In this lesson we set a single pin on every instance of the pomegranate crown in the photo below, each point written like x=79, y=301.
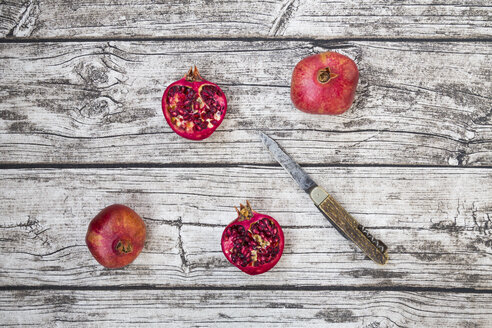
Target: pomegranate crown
x=244, y=212
x=193, y=75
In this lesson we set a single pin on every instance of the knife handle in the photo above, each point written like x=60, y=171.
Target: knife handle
x=348, y=226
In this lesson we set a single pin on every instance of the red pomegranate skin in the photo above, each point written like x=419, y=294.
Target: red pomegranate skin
x=324, y=83
x=116, y=236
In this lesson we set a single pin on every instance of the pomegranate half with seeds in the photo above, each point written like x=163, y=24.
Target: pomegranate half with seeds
x=253, y=242
x=194, y=107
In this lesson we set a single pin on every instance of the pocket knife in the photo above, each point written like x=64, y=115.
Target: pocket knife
x=346, y=225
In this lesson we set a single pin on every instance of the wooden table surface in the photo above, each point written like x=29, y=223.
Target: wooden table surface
x=81, y=128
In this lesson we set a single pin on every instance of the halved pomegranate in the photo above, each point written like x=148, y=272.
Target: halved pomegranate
x=194, y=107
x=253, y=242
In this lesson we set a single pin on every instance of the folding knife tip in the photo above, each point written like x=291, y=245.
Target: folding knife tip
x=264, y=138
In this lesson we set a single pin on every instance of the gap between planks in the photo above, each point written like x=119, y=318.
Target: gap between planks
x=17, y=166
x=242, y=39
x=399, y=288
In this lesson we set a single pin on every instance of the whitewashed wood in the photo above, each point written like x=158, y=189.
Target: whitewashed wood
x=417, y=103
x=223, y=308
x=436, y=222
x=246, y=18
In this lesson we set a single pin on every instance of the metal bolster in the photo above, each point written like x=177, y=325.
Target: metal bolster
x=318, y=195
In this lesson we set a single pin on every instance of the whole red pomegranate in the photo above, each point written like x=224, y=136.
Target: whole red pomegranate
x=253, y=242
x=324, y=83
x=194, y=107
x=116, y=236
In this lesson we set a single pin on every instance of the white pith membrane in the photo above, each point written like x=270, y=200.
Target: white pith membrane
x=262, y=243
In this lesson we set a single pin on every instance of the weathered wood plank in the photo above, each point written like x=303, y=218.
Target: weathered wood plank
x=436, y=222
x=287, y=18
x=417, y=103
x=221, y=308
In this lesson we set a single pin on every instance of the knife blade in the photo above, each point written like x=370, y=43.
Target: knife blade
x=346, y=225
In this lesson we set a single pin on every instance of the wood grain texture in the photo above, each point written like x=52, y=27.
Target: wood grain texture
x=318, y=19
x=436, y=223
x=100, y=103
x=223, y=308
x=17, y=18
